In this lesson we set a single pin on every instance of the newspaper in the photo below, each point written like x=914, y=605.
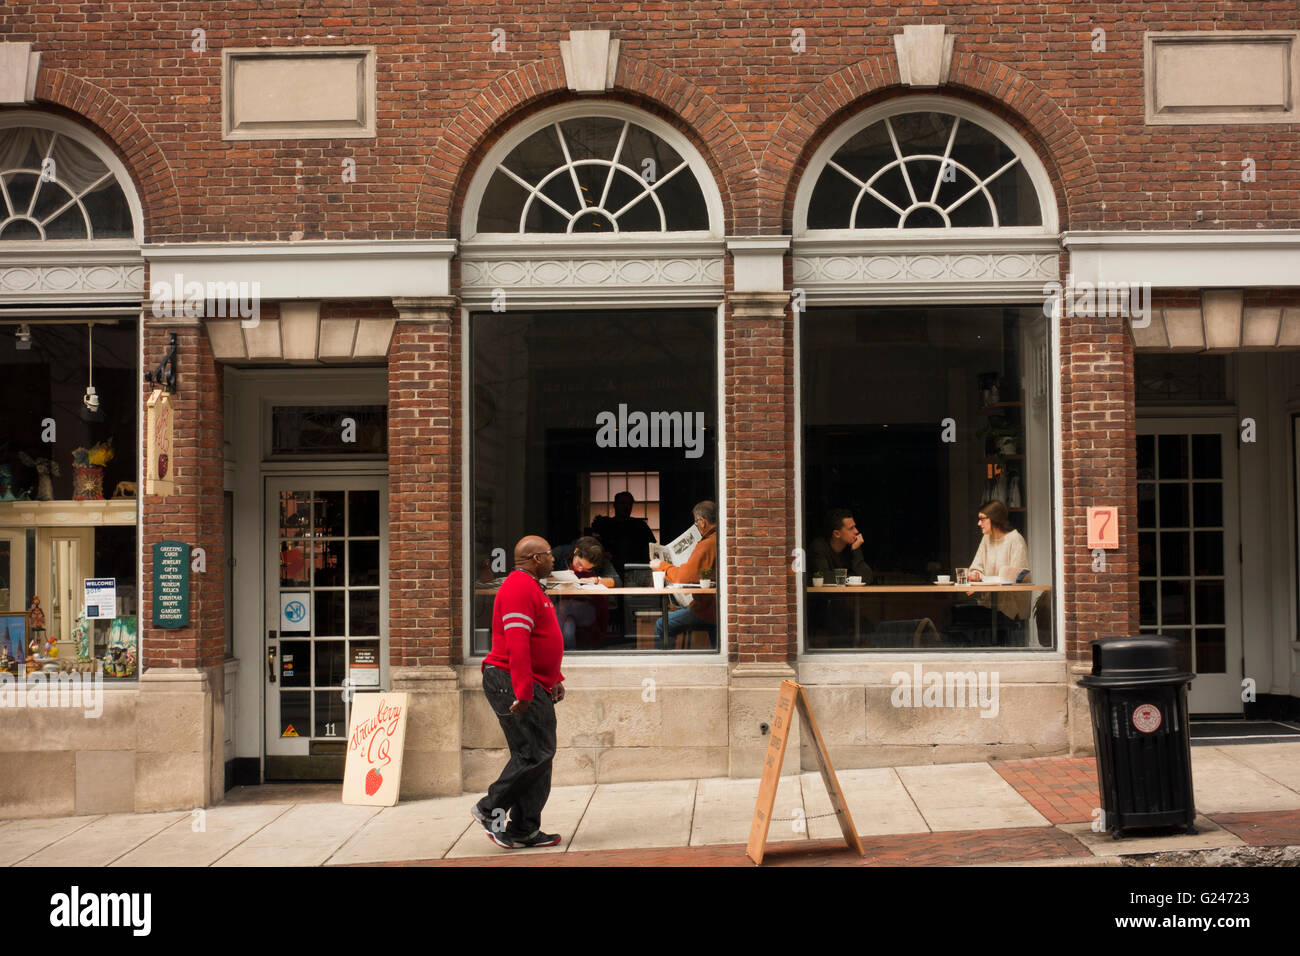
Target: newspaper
x=678, y=550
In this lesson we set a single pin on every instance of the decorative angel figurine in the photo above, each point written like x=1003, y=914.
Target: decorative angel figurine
x=35, y=616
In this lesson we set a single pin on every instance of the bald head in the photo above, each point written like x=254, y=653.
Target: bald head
x=533, y=554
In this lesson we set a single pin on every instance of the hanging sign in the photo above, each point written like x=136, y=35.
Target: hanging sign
x=372, y=775
x=171, y=584
x=159, y=459
x=295, y=612
x=100, y=597
x=1103, y=527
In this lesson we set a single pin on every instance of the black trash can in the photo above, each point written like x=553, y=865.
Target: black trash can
x=1138, y=698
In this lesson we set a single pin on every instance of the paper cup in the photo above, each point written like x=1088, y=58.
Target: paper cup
x=658, y=578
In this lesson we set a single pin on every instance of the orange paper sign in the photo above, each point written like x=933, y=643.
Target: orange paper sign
x=1103, y=527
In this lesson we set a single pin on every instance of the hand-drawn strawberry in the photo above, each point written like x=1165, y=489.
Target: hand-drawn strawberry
x=162, y=466
x=374, y=780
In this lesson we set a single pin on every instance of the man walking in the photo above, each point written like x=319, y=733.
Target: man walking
x=523, y=683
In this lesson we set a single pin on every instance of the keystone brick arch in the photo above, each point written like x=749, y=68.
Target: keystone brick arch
x=992, y=86
x=122, y=132
x=658, y=91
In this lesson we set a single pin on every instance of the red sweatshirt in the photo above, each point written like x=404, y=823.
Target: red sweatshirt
x=526, y=637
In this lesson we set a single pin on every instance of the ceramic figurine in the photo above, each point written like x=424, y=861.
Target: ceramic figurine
x=6, y=483
x=45, y=468
x=35, y=616
x=81, y=635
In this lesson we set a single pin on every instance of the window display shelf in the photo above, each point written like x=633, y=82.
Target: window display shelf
x=72, y=514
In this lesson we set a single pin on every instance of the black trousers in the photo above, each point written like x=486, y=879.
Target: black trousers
x=525, y=783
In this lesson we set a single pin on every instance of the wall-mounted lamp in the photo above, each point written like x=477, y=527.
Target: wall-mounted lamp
x=165, y=374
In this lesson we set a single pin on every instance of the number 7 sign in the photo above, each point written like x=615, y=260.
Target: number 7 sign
x=1103, y=527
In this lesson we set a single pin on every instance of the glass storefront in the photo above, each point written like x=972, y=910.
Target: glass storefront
x=597, y=430
x=927, y=464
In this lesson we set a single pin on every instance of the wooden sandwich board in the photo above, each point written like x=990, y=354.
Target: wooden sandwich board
x=372, y=773
x=791, y=698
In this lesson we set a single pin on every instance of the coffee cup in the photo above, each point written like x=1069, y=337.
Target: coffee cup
x=855, y=580
x=943, y=579
x=658, y=578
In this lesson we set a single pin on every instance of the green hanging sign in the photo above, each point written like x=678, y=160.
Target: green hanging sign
x=171, y=584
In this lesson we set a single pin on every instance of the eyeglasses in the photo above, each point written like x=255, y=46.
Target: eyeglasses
x=536, y=554
x=983, y=518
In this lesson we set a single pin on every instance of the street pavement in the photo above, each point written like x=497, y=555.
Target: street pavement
x=1038, y=812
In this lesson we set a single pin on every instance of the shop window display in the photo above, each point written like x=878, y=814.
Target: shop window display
x=67, y=499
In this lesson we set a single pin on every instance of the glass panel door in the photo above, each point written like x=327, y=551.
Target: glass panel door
x=1189, y=560
x=327, y=607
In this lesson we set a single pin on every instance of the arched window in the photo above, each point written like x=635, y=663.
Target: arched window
x=53, y=187
x=593, y=175
x=934, y=168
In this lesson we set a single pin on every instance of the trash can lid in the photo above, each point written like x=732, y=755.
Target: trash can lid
x=1135, y=660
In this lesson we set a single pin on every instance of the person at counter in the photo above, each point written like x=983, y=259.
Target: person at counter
x=703, y=612
x=1002, y=552
x=583, y=620
x=841, y=548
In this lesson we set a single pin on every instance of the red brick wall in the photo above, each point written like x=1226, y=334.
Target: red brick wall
x=759, y=374
x=424, y=493
x=194, y=513
x=729, y=74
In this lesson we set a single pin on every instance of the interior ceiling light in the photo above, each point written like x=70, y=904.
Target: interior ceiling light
x=23, y=337
x=93, y=413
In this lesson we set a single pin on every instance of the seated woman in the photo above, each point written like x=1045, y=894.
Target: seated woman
x=583, y=620
x=1002, y=551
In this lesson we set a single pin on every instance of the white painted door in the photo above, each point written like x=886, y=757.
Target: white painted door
x=326, y=605
x=1189, y=551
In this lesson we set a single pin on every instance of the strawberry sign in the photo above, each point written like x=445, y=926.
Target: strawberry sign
x=372, y=775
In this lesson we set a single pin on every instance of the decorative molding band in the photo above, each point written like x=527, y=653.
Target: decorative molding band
x=48, y=273
x=1180, y=259
x=621, y=274
x=348, y=269
x=758, y=305
x=879, y=270
x=432, y=308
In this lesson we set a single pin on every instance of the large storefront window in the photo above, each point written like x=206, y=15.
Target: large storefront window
x=585, y=424
x=70, y=591
x=919, y=424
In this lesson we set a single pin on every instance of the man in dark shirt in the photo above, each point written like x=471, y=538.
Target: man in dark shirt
x=624, y=537
x=841, y=548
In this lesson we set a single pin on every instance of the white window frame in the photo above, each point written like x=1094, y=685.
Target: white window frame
x=921, y=104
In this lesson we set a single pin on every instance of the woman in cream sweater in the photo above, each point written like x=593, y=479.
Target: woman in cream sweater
x=1001, y=549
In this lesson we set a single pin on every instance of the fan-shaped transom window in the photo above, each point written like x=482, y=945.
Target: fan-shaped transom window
x=593, y=175
x=924, y=170
x=52, y=187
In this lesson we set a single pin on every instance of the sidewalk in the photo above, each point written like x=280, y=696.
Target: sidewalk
x=1019, y=811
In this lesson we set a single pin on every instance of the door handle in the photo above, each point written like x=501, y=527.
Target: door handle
x=270, y=664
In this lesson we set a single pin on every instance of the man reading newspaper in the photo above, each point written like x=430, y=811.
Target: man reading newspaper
x=703, y=611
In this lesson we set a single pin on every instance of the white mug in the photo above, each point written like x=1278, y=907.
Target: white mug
x=855, y=580
x=943, y=579
x=658, y=578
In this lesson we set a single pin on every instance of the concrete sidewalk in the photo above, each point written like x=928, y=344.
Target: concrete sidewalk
x=1000, y=812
